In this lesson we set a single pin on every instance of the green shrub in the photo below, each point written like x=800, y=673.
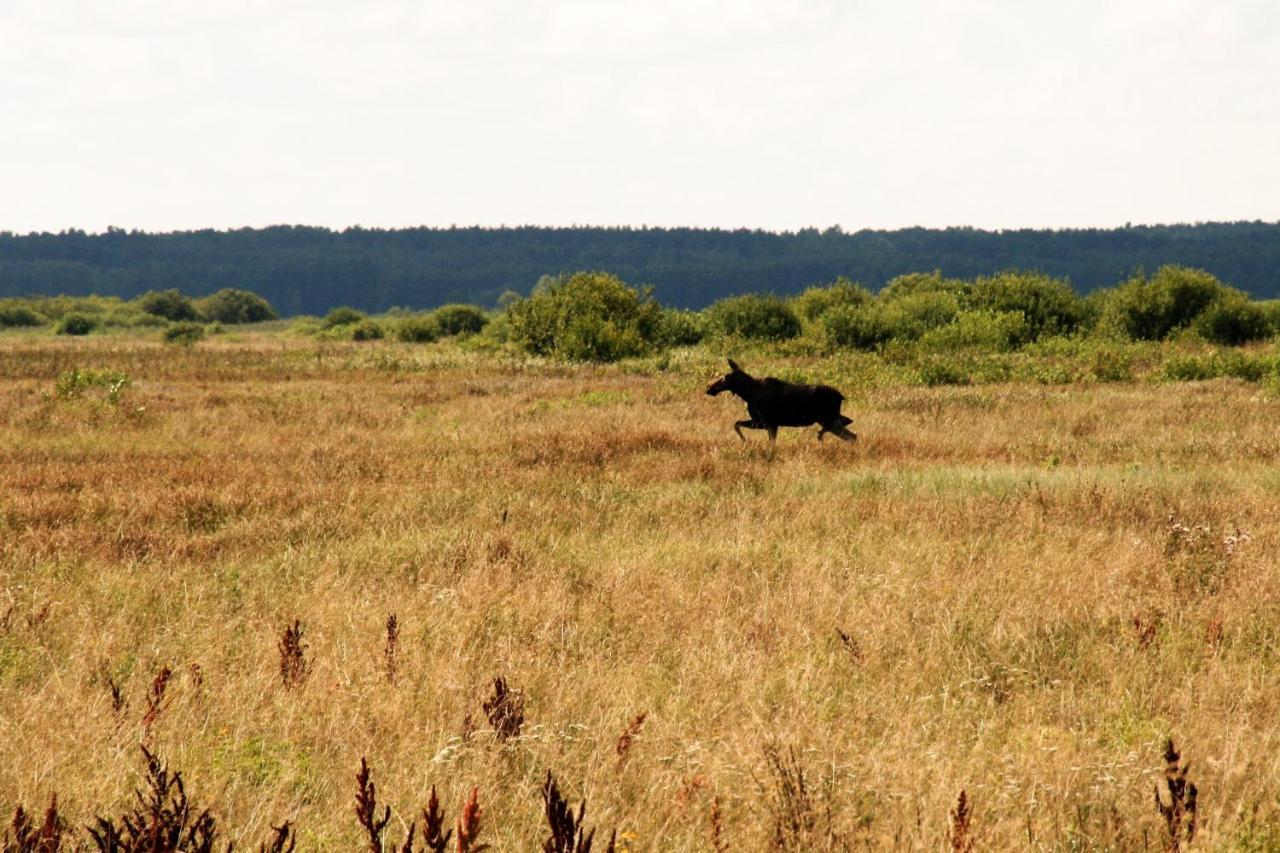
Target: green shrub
x=76, y=323
x=343, y=316
x=913, y=284
x=814, y=302
x=76, y=382
x=15, y=313
x=754, y=316
x=1111, y=364
x=367, y=330
x=1230, y=363
x=459, y=319
x=232, y=306
x=1150, y=309
x=1048, y=305
x=866, y=327
x=169, y=304
x=678, y=328
x=936, y=372
x=981, y=330
x=184, y=334
x=418, y=329
x=1233, y=321
x=588, y=316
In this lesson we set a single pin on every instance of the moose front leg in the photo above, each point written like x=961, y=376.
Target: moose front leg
x=751, y=423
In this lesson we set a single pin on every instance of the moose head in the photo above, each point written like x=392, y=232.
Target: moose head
x=731, y=381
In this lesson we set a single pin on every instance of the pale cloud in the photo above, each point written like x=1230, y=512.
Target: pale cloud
x=871, y=114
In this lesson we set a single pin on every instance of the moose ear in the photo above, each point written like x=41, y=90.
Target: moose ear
x=733, y=365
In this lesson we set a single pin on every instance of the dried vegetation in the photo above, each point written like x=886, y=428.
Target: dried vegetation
x=1015, y=591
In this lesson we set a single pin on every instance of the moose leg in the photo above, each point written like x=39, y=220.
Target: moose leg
x=773, y=434
x=749, y=424
x=844, y=434
x=837, y=429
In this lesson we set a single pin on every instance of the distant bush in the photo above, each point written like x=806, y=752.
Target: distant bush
x=589, y=316
x=343, y=316
x=1049, y=305
x=76, y=382
x=1150, y=309
x=678, y=328
x=981, y=330
x=1233, y=321
x=418, y=329
x=15, y=313
x=169, y=304
x=935, y=373
x=459, y=319
x=367, y=330
x=1231, y=363
x=76, y=324
x=865, y=327
x=232, y=306
x=184, y=334
x=913, y=284
x=814, y=302
x=754, y=316
x=1111, y=364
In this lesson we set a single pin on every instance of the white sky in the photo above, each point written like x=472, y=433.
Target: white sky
x=869, y=114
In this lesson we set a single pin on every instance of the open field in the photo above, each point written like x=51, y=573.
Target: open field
x=1018, y=590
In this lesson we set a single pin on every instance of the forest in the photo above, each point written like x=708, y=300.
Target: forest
x=310, y=270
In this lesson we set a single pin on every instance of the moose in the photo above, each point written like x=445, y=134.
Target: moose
x=774, y=403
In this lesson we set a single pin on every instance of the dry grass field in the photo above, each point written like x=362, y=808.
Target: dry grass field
x=1019, y=591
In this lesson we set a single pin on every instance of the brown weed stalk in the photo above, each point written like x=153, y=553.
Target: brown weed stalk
x=716, y=819
x=794, y=815
x=162, y=821
x=1177, y=802
x=568, y=835
x=960, y=832
x=628, y=737
x=293, y=664
x=469, y=825
x=505, y=710
x=24, y=836
x=155, y=699
x=434, y=836
x=367, y=809
x=391, y=647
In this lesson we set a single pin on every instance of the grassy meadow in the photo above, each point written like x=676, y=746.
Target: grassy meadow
x=1018, y=588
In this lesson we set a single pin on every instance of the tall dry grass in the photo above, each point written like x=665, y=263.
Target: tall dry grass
x=1014, y=591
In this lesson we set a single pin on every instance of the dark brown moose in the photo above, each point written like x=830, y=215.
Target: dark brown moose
x=773, y=403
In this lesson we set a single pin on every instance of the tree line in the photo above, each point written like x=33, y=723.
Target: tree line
x=307, y=270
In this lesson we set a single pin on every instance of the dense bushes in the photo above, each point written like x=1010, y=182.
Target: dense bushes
x=755, y=317
x=594, y=316
x=459, y=320
x=342, y=316
x=1149, y=309
x=815, y=302
x=235, y=306
x=589, y=316
x=169, y=304
x=445, y=321
x=1048, y=305
x=184, y=334
x=76, y=324
x=14, y=314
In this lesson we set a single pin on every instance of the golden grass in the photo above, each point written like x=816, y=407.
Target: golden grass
x=992, y=591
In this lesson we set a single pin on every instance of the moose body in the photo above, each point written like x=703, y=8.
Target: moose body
x=774, y=403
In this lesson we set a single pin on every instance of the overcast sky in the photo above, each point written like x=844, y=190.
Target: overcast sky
x=867, y=114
